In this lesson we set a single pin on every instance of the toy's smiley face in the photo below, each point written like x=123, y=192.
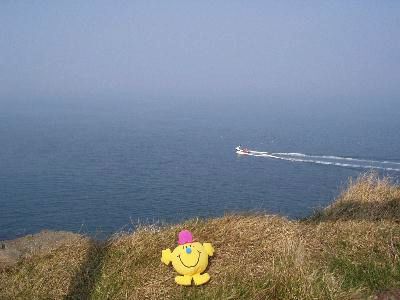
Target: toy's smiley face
x=190, y=258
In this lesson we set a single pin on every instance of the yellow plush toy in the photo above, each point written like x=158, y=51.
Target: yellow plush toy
x=189, y=259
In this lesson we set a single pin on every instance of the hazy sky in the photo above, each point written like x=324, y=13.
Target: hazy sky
x=320, y=48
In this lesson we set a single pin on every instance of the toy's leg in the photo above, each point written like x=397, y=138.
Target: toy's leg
x=201, y=279
x=183, y=280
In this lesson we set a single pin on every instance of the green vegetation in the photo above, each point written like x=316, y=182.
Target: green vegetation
x=349, y=250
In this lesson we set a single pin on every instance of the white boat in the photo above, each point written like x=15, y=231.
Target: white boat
x=242, y=151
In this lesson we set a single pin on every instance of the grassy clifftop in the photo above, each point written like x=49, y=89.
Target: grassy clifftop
x=349, y=250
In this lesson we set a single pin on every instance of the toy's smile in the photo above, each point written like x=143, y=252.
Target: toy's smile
x=198, y=258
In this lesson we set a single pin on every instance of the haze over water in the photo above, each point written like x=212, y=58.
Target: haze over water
x=115, y=113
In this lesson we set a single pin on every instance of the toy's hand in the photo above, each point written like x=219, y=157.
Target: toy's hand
x=166, y=256
x=209, y=249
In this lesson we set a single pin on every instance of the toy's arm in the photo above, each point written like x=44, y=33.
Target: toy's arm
x=209, y=249
x=166, y=256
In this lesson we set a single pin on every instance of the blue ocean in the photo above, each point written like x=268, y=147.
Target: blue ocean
x=99, y=166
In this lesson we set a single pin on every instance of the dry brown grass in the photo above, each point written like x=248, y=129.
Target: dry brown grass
x=337, y=254
x=367, y=198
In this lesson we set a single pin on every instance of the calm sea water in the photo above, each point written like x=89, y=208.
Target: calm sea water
x=102, y=166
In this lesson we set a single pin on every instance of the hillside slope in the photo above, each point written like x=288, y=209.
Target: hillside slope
x=349, y=250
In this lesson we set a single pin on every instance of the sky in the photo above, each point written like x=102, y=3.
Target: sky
x=208, y=48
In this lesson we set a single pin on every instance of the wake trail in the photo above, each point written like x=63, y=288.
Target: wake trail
x=338, y=161
x=338, y=158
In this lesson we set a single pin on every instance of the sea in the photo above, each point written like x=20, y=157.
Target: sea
x=103, y=165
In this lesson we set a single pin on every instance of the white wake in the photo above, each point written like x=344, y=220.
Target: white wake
x=339, y=161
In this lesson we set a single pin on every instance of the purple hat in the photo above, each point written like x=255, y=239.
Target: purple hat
x=185, y=236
